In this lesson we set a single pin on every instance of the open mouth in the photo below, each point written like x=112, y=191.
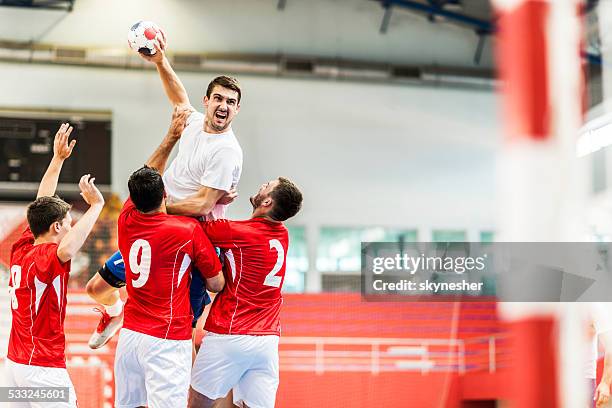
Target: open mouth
x=221, y=115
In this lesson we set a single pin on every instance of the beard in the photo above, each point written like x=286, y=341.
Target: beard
x=219, y=128
x=256, y=200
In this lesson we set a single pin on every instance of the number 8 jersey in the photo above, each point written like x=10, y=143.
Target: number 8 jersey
x=38, y=301
x=255, y=253
x=158, y=250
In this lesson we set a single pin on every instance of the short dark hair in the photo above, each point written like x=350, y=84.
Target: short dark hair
x=225, y=82
x=44, y=211
x=287, y=199
x=146, y=189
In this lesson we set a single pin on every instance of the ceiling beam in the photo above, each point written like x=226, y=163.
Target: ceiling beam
x=482, y=27
x=432, y=9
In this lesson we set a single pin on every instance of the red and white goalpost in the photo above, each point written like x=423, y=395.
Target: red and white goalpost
x=541, y=185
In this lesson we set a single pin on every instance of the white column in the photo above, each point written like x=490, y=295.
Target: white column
x=313, y=276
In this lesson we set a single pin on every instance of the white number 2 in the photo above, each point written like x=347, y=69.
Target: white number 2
x=143, y=268
x=16, y=279
x=271, y=278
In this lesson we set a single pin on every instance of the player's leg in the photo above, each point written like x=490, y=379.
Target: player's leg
x=194, y=352
x=167, y=366
x=219, y=365
x=197, y=399
x=103, y=287
x=130, y=389
x=200, y=401
x=258, y=385
x=101, y=291
x=198, y=295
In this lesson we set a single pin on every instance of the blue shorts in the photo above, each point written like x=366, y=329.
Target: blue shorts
x=113, y=272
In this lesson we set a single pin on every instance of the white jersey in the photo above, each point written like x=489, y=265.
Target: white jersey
x=203, y=160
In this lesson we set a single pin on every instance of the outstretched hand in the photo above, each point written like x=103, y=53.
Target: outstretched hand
x=89, y=191
x=228, y=197
x=61, y=148
x=160, y=48
x=179, y=121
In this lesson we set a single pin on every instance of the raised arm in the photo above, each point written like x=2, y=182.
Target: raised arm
x=61, y=151
x=75, y=238
x=159, y=158
x=172, y=84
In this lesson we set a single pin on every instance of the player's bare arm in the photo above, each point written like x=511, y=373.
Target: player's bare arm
x=75, y=238
x=61, y=151
x=159, y=158
x=216, y=284
x=602, y=393
x=206, y=262
x=176, y=92
x=199, y=204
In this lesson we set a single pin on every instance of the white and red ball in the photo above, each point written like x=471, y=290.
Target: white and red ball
x=141, y=37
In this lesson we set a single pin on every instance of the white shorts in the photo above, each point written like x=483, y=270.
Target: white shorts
x=22, y=375
x=150, y=371
x=248, y=364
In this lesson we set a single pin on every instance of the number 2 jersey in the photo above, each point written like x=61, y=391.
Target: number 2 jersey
x=38, y=302
x=255, y=253
x=159, y=251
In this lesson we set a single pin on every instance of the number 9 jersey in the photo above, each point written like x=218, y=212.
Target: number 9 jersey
x=158, y=251
x=255, y=253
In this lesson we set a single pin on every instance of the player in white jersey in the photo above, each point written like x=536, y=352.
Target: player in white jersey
x=199, y=182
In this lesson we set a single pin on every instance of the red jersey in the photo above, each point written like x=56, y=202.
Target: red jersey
x=158, y=251
x=255, y=253
x=37, y=286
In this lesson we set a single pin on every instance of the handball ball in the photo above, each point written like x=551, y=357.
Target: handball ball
x=141, y=37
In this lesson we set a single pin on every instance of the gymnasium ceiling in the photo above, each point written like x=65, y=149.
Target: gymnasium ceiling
x=411, y=32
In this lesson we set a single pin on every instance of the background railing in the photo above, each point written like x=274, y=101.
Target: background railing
x=317, y=355
x=375, y=355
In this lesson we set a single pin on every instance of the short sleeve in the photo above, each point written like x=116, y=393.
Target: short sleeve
x=26, y=238
x=195, y=118
x=220, y=233
x=205, y=256
x=221, y=169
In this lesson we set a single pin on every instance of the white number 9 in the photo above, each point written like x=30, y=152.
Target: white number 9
x=143, y=268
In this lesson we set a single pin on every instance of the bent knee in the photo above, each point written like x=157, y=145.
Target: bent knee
x=98, y=287
x=91, y=286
